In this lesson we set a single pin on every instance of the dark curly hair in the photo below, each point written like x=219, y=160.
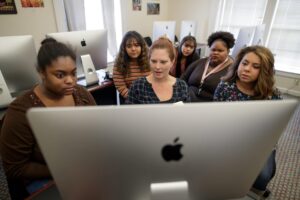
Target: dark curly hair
x=226, y=37
x=122, y=60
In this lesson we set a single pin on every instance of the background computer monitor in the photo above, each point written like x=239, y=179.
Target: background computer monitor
x=187, y=28
x=258, y=38
x=92, y=42
x=243, y=39
x=164, y=28
x=17, y=63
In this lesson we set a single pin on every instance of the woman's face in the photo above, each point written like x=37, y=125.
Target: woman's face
x=60, y=77
x=218, y=52
x=187, y=48
x=249, y=68
x=160, y=63
x=133, y=48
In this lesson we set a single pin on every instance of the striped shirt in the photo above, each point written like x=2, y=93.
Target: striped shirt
x=123, y=81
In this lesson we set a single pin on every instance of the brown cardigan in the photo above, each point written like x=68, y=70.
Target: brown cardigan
x=20, y=153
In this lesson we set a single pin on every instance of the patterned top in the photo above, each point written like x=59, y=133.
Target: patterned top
x=229, y=92
x=123, y=82
x=141, y=92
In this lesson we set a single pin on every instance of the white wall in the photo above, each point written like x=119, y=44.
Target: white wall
x=139, y=20
x=29, y=21
x=201, y=11
x=39, y=21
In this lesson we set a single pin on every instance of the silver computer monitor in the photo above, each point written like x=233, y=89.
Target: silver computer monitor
x=18, y=63
x=243, y=39
x=92, y=43
x=5, y=96
x=187, y=28
x=153, y=152
x=164, y=28
x=258, y=38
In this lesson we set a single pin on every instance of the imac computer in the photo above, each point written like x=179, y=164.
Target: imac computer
x=258, y=38
x=187, y=28
x=243, y=39
x=135, y=152
x=5, y=96
x=164, y=28
x=17, y=65
x=91, y=51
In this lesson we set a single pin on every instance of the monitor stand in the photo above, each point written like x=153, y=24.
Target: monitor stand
x=5, y=97
x=89, y=70
x=170, y=190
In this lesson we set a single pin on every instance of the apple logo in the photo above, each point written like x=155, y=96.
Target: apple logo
x=172, y=152
x=83, y=43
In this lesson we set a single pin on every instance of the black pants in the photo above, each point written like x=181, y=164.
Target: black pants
x=17, y=189
x=267, y=173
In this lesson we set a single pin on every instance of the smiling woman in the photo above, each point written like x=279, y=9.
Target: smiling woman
x=22, y=159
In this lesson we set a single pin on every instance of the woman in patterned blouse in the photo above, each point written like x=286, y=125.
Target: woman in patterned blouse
x=131, y=62
x=159, y=86
x=251, y=77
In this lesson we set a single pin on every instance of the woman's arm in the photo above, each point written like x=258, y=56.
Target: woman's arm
x=20, y=153
x=133, y=93
x=184, y=91
x=190, y=69
x=219, y=92
x=119, y=82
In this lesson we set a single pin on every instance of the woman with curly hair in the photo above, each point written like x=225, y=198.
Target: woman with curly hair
x=186, y=54
x=251, y=77
x=131, y=62
x=203, y=75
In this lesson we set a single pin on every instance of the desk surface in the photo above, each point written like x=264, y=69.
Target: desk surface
x=102, y=84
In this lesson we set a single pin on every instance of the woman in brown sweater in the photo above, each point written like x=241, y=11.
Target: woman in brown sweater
x=22, y=159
